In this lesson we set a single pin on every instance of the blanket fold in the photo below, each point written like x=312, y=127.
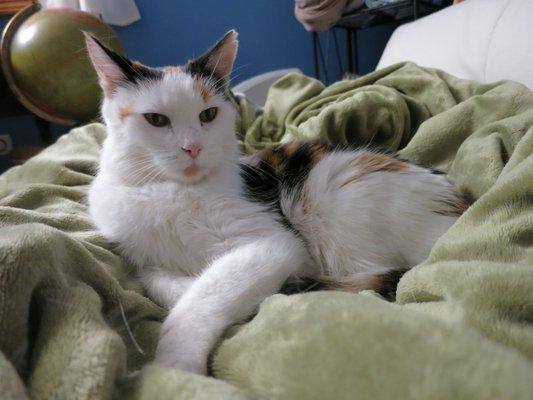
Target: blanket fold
x=75, y=324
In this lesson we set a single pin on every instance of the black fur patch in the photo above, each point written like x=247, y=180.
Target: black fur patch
x=302, y=285
x=262, y=186
x=297, y=167
x=389, y=283
x=133, y=72
x=281, y=169
x=199, y=67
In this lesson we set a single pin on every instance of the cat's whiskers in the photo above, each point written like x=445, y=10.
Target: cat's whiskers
x=137, y=168
x=231, y=78
x=215, y=68
x=235, y=70
x=240, y=67
x=228, y=81
x=139, y=163
x=141, y=175
x=145, y=165
x=159, y=171
x=148, y=178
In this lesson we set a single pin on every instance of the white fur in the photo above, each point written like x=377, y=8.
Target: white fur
x=212, y=256
x=196, y=235
x=384, y=220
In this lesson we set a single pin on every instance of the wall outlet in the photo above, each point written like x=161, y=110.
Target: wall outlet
x=6, y=144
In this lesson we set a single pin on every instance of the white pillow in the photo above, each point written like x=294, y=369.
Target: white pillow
x=484, y=40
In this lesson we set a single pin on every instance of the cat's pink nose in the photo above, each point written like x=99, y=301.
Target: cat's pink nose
x=193, y=149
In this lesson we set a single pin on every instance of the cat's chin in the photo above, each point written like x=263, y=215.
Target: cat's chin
x=188, y=175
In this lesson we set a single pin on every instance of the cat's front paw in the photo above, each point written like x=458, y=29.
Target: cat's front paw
x=181, y=348
x=168, y=357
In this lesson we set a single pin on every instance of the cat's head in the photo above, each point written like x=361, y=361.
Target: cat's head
x=176, y=122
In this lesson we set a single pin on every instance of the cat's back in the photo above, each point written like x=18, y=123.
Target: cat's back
x=358, y=209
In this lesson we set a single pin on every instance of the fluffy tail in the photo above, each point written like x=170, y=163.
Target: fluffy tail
x=384, y=283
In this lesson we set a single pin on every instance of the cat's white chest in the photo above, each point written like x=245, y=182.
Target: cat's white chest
x=175, y=228
x=180, y=230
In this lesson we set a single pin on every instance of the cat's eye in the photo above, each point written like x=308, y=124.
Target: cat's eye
x=208, y=114
x=158, y=120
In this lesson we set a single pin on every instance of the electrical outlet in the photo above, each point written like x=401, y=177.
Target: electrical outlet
x=6, y=144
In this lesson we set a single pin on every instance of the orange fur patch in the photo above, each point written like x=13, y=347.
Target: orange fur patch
x=460, y=205
x=278, y=156
x=138, y=64
x=318, y=152
x=378, y=162
x=290, y=148
x=383, y=283
x=171, y=69
x=368, y=163
x=454, y=208
x=200, y=86
x=269, y=157
x=190, y=171
x=124, y=112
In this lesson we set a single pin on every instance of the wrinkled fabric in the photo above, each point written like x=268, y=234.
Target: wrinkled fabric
x=319, y=15
x=76, y=324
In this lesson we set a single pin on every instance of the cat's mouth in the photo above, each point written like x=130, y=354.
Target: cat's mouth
x=192, y=170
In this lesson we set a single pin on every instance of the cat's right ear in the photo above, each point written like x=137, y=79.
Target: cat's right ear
x=107, y=64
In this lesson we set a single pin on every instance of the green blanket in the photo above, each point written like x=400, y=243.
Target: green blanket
x=74, y=323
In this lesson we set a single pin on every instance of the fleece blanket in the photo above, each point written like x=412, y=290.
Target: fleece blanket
x=74, y=323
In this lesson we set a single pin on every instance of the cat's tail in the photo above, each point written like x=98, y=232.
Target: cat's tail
x=384, y=283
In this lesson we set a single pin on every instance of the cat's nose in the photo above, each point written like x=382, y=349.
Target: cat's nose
x=192, y=149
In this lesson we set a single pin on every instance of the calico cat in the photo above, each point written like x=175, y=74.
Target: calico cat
x=212, y=236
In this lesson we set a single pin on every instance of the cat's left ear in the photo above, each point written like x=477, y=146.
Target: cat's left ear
x=114, y=70
x=217, y=62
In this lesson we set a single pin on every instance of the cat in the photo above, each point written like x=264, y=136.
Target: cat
x=213, y=236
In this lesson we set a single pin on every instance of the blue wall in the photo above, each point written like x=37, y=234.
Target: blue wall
x=170, y=32
x=269, y=34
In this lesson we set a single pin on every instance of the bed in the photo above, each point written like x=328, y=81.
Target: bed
x=75, y=323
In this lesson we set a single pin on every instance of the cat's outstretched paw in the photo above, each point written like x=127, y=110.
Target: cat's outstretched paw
x=182, y=363
x=180, y=348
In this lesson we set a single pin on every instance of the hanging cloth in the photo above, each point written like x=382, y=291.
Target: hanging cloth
x=116, y=12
